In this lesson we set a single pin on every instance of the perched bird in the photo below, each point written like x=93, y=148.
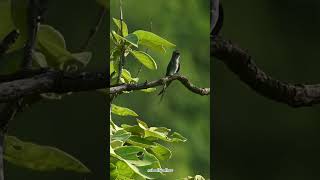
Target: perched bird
x=172, y=68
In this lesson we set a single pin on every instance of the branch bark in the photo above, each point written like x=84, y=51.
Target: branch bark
x=185, y=81
x=9, y=109
x=51, y=81
x=242, y=64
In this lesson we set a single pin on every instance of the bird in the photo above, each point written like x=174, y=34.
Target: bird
x=172, y=68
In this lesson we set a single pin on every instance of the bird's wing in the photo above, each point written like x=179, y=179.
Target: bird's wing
x=169, y=68
x=178, y=68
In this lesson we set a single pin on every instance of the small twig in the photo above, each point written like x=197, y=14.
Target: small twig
x=122, y=57
x=132, y=87
x=33, y=26
x=94, y=30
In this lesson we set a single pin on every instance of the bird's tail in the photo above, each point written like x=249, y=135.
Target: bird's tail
x=162, y=92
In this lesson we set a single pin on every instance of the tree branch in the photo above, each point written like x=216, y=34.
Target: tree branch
x=33, y=26
x=52, y=81
x=241, y=63
x=131, y=87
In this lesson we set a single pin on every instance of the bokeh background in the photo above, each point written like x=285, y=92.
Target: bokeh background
x=77, y=123
x=256, y=138
x=186, y=24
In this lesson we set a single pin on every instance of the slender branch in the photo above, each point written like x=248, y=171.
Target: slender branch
x=52, y=81
x=122, y=56
x=94, y=30
x=131, y=87
x=242, y=64
x=33, y=26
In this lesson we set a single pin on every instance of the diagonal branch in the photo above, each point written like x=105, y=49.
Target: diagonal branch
x=185, y=81
x=241, y=63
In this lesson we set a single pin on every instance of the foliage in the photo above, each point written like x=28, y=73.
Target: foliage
x=135, y=149
x=50, y=52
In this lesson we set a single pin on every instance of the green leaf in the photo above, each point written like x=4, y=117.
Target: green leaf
x=132, y=39
x=78, y=61
x=139, y=141
x=127, y=76
x=52, y=44
x=136, y=130
x=51, y=96
x=40, y=59
x=176, y=137
x=198, y=177
x=121, y=135
x=122, y=111
x=148, y=90
x=112, y=67
x=116, y=143
x=121, y=171
x=153, y=41
x=138, y=159
x=124, y=26
x=142, y=124
x=41, y=158
x=48, y=33
x=144, y=59
x=161, y=152
x=83, y=57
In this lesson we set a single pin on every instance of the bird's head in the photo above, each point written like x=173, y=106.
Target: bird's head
x=176, y=52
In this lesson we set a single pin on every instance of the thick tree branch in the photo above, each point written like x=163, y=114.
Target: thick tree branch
x=52, y=81
x=241, y=63
x=131, y=87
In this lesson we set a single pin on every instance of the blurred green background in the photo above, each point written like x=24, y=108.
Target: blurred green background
x=186, y=24
x=77, y=123
x=256, y=138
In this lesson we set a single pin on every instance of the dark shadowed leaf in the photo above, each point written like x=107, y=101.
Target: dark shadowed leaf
x=40, y=158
